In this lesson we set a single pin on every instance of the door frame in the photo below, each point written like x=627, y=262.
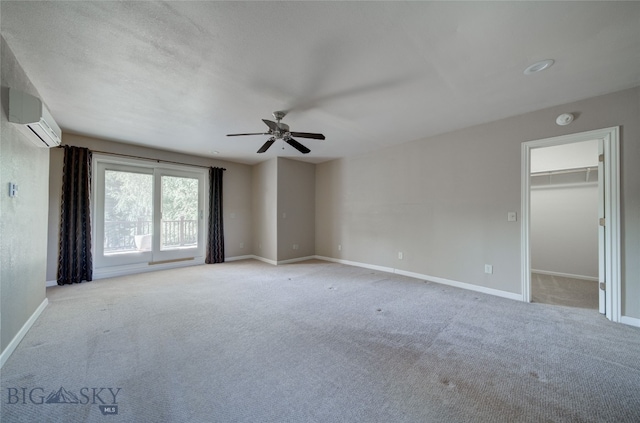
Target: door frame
x=611, y=143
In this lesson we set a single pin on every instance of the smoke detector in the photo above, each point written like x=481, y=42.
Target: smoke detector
x=564, y=119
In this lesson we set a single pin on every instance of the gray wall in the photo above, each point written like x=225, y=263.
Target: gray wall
x=236, y=192
x=23, y=219
x=296, y=209
x=564, y=230
x=283, y=209
x=443, y=200
x=265, y=209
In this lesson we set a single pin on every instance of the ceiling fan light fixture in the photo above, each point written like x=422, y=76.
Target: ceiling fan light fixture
x=539, y=66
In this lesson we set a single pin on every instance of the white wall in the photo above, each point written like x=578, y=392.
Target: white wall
x=564, y=230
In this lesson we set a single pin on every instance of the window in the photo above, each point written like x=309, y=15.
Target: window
x=179, y=212
x=128, y=207
x=146, y=213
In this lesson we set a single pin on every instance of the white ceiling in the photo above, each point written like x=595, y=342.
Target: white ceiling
x=181, y=75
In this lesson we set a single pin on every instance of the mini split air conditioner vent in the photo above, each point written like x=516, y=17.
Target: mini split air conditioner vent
x=34, y=119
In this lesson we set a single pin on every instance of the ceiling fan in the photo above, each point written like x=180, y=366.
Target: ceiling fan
x=280, y=131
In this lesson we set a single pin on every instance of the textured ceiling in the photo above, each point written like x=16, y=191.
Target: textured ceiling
x=181, y=75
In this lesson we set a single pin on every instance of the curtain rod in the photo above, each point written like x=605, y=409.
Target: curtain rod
x=146, y=158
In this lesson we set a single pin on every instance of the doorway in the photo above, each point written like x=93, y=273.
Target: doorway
x=564, y=224
x=608, y=215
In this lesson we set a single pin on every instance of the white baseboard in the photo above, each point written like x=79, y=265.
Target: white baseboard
x=236, y=258
x=22, y=332
x=449, y=282
x=463, y=285
x=565, y=275
x=52, y=283
x=276, y=263
x=296, y=260
x=357, y=264
x=265, y=260
x=631, y=321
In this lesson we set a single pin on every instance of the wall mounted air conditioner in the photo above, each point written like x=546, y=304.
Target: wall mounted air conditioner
x=35, y=120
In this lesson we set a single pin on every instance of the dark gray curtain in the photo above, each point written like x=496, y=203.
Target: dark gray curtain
x=215, y=239
x=75, y=263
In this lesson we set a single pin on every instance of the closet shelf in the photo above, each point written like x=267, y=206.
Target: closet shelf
x=575, y=176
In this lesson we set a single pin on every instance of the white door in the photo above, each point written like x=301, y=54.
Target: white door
x=601, y=231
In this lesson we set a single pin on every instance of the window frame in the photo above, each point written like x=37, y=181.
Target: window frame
x=137, y=261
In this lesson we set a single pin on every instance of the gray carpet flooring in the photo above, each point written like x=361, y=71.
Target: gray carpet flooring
x=314, y=342
x=559, y=290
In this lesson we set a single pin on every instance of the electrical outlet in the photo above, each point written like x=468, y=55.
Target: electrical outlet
x=339, y=247
x=488, y=269
x=512, y=216
x=13, y=189
x=242, y=245
x=400, y=255
x=296, y=246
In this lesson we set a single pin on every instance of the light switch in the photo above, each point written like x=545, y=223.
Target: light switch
x=13, y=189
x=512, y=216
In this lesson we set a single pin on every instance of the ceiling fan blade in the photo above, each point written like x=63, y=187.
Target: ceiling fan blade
x=271, y=124
x=266, y=145
x=253, y=133
x=308, y=135
x=295, y=144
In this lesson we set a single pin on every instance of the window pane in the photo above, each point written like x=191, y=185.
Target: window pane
x=179, y=212
x=128, y=212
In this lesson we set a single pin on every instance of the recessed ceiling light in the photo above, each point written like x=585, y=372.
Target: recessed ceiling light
x=538, y=67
